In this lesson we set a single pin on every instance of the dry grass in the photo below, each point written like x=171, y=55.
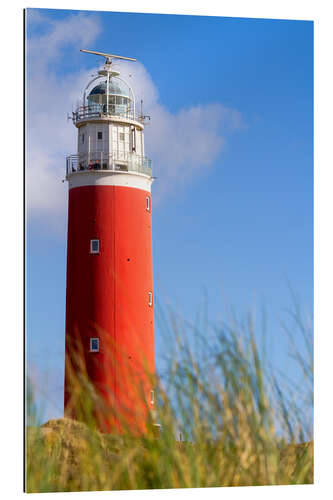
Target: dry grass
x=239, y=426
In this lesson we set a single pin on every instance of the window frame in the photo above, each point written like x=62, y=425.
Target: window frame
x=133, y=132
x=99, y=133
x=152, y=396
x=92, y=251
x=150, y=298
x=90, y=344
x=148, y=203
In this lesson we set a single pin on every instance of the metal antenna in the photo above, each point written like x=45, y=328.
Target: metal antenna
x=108, y=57
x=142, y=115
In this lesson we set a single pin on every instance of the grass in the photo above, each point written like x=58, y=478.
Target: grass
x=240, y=423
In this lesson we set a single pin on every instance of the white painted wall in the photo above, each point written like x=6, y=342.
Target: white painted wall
x=102, y=178
x=117, y=138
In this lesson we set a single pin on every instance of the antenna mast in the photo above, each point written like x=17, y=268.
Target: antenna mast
x=108, y=57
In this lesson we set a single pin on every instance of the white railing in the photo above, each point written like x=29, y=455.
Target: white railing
x=101, y=111
x=118, y=162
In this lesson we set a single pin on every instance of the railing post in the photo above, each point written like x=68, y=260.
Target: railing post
x=107, y=92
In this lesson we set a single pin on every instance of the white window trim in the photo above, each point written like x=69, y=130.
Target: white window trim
x=91, y=341
x=91, y=246
x=150, y=298
x=152, y=396
x=148, y=204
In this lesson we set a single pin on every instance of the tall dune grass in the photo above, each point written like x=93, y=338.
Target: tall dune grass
x=227, y=419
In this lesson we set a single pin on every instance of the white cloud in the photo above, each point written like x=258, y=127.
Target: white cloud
x=74, y=31
x=49, y=99
x=182, y=145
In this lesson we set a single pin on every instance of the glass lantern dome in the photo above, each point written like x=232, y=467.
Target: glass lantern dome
x=119, y=97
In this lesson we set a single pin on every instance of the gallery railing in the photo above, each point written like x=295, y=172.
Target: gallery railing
x=118, y=162
x=102, y=111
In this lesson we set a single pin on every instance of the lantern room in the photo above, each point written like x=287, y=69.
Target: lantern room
x=116, y=99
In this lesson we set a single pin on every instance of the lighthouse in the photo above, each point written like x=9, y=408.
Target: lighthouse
x=109, y=282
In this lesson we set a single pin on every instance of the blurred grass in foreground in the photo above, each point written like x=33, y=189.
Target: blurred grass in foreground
x=226, y=421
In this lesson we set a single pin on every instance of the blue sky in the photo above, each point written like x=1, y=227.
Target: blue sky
x=233, y=198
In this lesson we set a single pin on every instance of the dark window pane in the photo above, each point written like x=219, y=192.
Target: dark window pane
x=94, y=344
x=94, y=246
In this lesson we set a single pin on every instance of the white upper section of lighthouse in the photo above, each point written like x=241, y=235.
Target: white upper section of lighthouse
x=110, y=132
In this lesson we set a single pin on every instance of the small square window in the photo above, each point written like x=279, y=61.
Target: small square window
x=94, y=345
x=94, y=246
x=99, y=136
x=148, y=204
x=121, y=136
x=150, y=298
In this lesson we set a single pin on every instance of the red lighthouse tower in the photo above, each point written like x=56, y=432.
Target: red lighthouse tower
x=109, y=295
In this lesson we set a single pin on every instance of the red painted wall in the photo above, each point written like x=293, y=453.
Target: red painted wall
x=107, y=297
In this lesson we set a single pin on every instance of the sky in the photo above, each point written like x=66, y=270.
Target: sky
x=231, y=139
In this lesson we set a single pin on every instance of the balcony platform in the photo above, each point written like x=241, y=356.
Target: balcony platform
x=100, y=162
